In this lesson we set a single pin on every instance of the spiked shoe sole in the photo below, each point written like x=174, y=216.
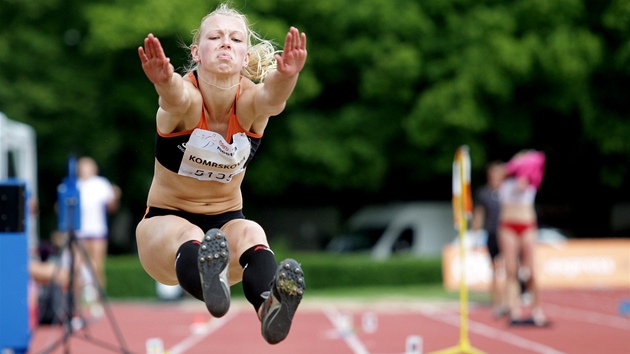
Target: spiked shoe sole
x=214, y=256
x=287, y=290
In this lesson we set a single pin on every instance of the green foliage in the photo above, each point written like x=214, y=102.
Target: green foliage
x=127, y=279
x=122, y=25
x=344, y=271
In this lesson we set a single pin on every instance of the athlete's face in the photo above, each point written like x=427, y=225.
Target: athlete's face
x=223, y=45
x=496, y=175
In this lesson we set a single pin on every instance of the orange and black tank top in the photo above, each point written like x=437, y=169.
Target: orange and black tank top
x=170, y=148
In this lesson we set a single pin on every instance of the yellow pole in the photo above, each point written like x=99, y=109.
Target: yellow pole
x=461, y=193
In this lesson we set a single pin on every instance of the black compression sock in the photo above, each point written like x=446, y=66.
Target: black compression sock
x=259, y=268
x=187, y=270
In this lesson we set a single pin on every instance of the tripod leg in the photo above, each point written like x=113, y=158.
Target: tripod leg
x=71, y=312
x=100, y=291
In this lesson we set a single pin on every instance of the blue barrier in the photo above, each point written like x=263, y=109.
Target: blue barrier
x=15, y=333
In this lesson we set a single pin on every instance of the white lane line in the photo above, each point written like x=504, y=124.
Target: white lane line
x=202, y=331
x=345, y=329
x=592, y=317
x=453, y=319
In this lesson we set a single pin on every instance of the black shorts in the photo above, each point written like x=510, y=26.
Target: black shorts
x=205, y=222
x=493, y=245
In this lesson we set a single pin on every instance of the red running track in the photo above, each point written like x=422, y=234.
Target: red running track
x=582, y=322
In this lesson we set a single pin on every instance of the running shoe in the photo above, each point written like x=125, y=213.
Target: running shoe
x=538, y=317
x=281, y=301
x=214, y=257
x=500, y=311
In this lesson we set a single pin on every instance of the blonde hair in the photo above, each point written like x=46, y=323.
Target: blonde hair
x=261, y=51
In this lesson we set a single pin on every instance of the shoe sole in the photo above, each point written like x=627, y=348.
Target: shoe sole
x=214, y=257
x=288, y=287
x=530, y=322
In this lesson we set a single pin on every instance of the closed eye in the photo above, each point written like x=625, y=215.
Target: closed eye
x=233, y=39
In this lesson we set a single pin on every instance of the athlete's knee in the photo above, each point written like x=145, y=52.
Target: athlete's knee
x=188, y=234
x=248, y=233
x=511, y=269
x=252, y=230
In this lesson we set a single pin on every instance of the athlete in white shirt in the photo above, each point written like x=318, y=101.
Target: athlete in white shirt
x=98, y=198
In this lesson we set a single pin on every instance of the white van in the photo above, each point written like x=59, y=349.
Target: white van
x=417, y=228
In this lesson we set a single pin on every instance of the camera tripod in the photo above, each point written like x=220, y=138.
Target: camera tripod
x=69, y=220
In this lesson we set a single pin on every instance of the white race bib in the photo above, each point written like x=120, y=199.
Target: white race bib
x=208, y=157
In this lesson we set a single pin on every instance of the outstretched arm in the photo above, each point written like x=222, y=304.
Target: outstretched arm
x=279, y=84
x=159, y=70
x=293, y=57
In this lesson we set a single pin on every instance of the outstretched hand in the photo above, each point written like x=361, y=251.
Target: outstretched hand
x=293, y=55
x=156, y=65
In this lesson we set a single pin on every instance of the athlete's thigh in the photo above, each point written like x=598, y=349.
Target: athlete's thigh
x=527, y=247
x=96, y=248
x=242, y=234
x=158, y=240
x=509, y=248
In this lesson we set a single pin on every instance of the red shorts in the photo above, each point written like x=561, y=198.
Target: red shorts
x=518, y=227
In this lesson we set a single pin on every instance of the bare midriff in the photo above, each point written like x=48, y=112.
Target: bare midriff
x=172, y=191
x=517, y=213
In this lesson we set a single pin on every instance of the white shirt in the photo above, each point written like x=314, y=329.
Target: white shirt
x=509, y=193
x=95, y=193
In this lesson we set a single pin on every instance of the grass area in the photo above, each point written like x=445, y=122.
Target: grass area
x=327, y=275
